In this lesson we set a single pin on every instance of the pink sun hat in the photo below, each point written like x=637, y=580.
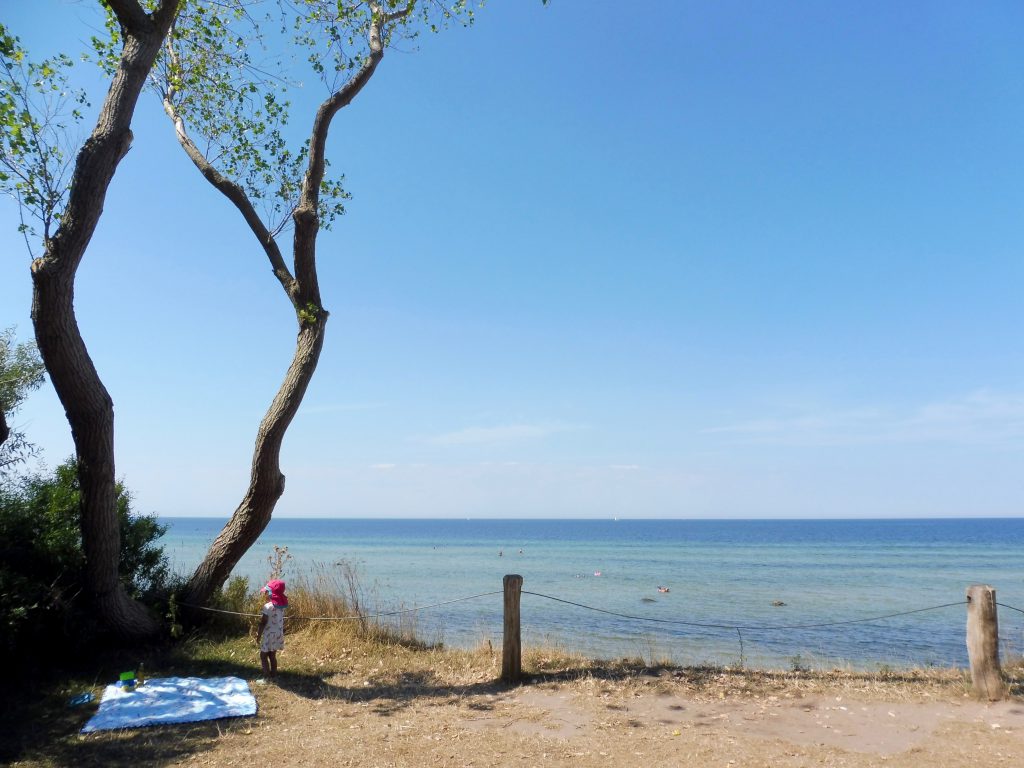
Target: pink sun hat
x=275, y=588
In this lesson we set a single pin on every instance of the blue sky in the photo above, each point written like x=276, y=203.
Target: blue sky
x=730, y=259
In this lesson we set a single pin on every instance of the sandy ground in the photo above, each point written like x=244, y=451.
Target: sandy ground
x=391, y=707
x=645, y=721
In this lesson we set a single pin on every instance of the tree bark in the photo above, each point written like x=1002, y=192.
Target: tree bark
x=266, y=483
x=86, y=402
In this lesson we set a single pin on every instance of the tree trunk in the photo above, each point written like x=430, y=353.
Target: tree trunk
x=5, y=431
x=266, y=482
x=88, y=406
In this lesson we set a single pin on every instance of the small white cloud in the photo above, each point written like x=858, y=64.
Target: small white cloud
x=383, y=467
x=980, y=417
x=624, y=467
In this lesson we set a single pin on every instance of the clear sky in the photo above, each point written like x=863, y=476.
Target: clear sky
x=668, y=259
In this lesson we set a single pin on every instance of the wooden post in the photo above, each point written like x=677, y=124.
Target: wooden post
x=983, y=642
x=512, y=651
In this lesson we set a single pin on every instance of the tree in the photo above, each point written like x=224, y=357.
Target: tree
x=211, y=89
x=69, y=214
x=42, y=564
x=21, y=371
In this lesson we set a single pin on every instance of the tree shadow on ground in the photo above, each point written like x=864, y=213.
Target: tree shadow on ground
x=43, y=728
x=388, y=697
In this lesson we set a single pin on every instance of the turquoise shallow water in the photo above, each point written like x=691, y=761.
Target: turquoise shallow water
x=719, y=573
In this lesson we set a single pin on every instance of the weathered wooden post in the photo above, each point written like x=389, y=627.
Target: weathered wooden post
x=983, y=642
x=512, y=651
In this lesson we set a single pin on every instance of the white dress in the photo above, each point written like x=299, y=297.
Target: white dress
x=273, y=633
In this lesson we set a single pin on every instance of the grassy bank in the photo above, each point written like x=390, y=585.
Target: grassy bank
x=353, y=666
x=365, y=675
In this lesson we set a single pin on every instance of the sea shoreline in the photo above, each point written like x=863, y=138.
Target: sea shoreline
x=770, y=579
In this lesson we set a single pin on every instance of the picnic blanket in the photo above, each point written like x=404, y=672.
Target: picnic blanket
x=165, y=700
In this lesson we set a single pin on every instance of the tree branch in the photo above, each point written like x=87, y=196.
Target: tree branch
x=305, y=214
x=131, y=15
x=166, y=12
x=397, y=15
x=238, y=198
x=110, y=140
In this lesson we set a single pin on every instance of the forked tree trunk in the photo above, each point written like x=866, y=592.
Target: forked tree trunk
x=88, y=406
x=266, y=483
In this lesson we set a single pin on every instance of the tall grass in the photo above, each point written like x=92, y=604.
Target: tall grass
x=327, y=603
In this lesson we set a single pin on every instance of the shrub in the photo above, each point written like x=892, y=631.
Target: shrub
x=235, y=597
x=42, y=563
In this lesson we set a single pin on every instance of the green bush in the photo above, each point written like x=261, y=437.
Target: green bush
x=42, y=564
x=237, y=597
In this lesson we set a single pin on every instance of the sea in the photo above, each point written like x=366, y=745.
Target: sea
x=772, y=594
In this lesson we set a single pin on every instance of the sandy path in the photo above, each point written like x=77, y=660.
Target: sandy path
x=592, y=724
x=838, y=724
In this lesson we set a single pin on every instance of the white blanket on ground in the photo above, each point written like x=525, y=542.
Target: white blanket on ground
x=172, y=700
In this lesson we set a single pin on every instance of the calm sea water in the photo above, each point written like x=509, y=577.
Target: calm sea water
x=718, y=572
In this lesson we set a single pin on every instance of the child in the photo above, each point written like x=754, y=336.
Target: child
x=270, y=633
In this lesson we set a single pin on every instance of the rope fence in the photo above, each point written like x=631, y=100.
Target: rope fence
x=651, y=619
x=359, y=617
x=751, y=627
x=982, y=626
x=1012, y=608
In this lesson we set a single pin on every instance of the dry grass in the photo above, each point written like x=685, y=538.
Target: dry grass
x=323, y=600
x=362, y=692
x=384, y=656
x=366, y=688
x=336, y=591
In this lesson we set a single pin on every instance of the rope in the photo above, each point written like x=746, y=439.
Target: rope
x=220, y=610
x=679, y=622
x=1012, y=608
x=361, y=617
x=755, y=628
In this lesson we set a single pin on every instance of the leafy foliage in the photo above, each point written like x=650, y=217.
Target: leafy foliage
x=335, y=33
x=37, y=107
x=42, y=563
x=219, y=77
x=21, y=371
x=224, y=73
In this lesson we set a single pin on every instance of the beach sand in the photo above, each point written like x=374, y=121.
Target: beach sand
x=366, y=716
x=655, y=722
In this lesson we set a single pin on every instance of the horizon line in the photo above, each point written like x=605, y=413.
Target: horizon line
x=618, y=519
